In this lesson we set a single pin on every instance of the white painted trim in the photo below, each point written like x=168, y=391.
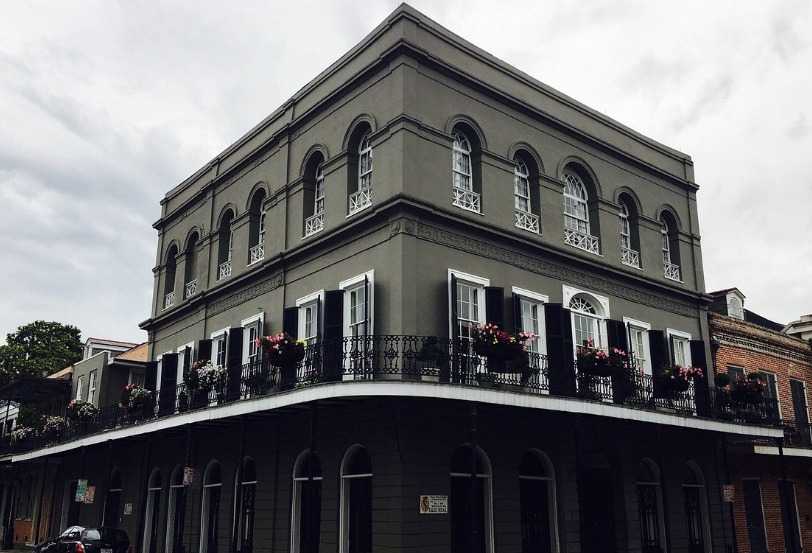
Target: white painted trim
x=218, y=333
x=634, y=322
x=788, y=451
x=258, y=318
x=685, y=336
x=350, y=284
x=390, y=388
x=252, y=319
x=357, y=279
x=530, y=295
x=310, y=298
x=473, y=279
x=568, y=292
x=678, y=333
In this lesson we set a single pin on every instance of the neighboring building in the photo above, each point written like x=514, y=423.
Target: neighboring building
x=802, y=328
x=99, y=379
x=746, y=344
x=94, y=346
x=415, y=190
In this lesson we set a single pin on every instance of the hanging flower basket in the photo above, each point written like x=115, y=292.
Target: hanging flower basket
x=505, y=352
x=81, y=411
x=282, y=350
x=676, y=380
x=52, y=427
x=748, y=390
x=137, y=400
x=21, y=434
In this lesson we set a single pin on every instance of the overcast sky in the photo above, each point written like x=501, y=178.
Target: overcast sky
x=104, y=106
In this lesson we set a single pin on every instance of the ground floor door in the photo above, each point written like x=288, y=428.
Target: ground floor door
x=596, y=501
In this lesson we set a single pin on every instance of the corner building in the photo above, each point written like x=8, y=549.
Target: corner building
x=415, y=189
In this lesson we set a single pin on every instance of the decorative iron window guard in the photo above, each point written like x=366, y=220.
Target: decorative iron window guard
x=224, y=270
x=191, y=288
x=314, y=224
x=466, y=199
x=169, y=299
x=256, y=253
x=672, y=271
x=582, y=241
x=630, y=257
x=526, y=221
x=360, y=200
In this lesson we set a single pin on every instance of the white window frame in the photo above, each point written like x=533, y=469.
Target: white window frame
x=777, y=393
x=574, y=202
x=79, y=384
x=541, y=300
x=682, y=336
x=365, y=153
x=473, y=280
x=523, y=177
x=568, y=292
x=344, y=498
x=91, y=386
x=305, y=302
x=348, y=286
x=215, y=338
x=246, y=335
x=159, y=374
x=459, y=152
x=318, y=190
x=154, y=494
x=645, y=327
x=181, y=351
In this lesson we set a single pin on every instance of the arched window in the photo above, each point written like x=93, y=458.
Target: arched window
x=670, y=247
x=466, y=189
x=176, y=512
x=210, y=507
x=588, y=324
x=356, y=501
x=256, y=228
x=313, y=196
x=696, y=508
x=169, y=281
x=537, y=501
x=629, y=234
x=153, y=521
x=225, y=245
x=306, y=508
x=526, y=201
x=580, y=224
x=650, y=508
x=190, y=278
x=246, y=495
x=470, y=501
x=112, y=503
x=359, y=172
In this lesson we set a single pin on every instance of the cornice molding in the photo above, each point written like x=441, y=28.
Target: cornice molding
x=246, y=294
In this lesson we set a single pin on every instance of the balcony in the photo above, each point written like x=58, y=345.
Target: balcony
x=630, y=257
x=582, y=241
x=672, y=272
x=314, y=224
x=190, y=289
x=256, y=254
x=224, y=270
x=466, y=199
x=359, y=201
x=526, y=221
x=419, y=360
x=169, y=299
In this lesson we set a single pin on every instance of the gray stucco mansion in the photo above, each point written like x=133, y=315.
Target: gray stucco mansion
x=414, y=190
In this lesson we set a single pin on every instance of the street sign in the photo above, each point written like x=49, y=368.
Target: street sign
x=433, y=504
x=81, y=490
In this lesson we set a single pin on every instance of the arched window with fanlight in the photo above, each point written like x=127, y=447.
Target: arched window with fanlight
x=306, y=504
x=359, y=186
x=175, y=512
x=470, y=501
x=670, y=247
x=588, y=321
x=190, y=281
x=210, y=507
x=465, y=180
x=356, y=501
x=169, y=276
x=246, y=498
x=256, y=227
x=537, y=503
x=526, y=201
x=650, y=507
x=153, y=513
x=696, y=509
x=580, y=217
x=112, y=502
x=628, y=231
x=313, y=197
x=225, y=245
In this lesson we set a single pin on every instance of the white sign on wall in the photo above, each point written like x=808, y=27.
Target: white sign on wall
x=433, y=504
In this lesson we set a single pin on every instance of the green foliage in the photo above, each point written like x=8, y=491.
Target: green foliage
x=39, y=349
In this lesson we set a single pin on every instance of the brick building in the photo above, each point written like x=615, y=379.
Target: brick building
x=743, y=344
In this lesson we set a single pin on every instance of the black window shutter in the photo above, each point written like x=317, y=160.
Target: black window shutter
x=333, y=334
x=559, y=349
x=367, y=312
x=169, y=371
x=187, y=360
x=495, y=305
x=150, y=375
x=517, y=313
x=204, y=350
x=453, y=314
x=234, y=362
x=672, y=360
x=701, y=393
x=290, y=321
x=616, y=333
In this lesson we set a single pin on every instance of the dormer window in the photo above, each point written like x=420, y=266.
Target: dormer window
x=735, y=306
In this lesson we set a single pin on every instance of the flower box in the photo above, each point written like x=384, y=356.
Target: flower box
x=81, y=411
x=137, y=400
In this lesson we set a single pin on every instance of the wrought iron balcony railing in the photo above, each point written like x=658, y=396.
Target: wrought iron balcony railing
x=582, y=240
x=672, y=271
x=630, y=257
x=191, y=288
x=224, y=270
x=169, y=299
x=466, y=199
x=526, y=221
x=360, y=200
x=256, y=253
x=416, y=359
x=314, y=224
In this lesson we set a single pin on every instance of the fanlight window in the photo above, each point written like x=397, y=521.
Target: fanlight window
x=461, y=162
x=582, y=306
x=521, y=186
x=576, y=209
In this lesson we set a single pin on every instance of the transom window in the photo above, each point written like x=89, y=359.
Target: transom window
x=319, y=190
x=521, y=186
x=364, y=164
x=461, y=162
x=576, y=209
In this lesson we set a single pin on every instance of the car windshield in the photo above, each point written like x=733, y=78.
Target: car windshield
x=72, y=530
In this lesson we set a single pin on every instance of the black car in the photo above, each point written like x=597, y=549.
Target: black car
x=78, y=539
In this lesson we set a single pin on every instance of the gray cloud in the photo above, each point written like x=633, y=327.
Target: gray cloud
x=106, y=106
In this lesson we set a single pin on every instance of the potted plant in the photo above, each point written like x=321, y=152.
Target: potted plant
x=81, y=412
x=433, y=360
x=285, y=352
x=211, y=377
x=748, y=390
x=504, y=352
x=52, y=428
x=593, y=361
x=137, y=400
x=676, y=380
x=21, y=434
x=722, y=380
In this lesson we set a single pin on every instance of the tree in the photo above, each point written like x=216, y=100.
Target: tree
x=39, y=349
